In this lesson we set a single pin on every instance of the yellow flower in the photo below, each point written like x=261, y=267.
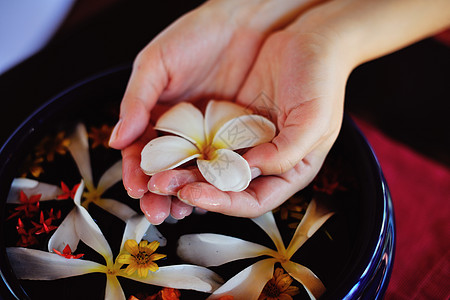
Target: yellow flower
x=140, y=257
x=279, y=287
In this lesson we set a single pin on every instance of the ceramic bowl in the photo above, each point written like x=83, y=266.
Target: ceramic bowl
x=352, y=253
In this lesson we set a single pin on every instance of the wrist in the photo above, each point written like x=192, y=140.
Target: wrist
x=368, y=29
x=263, y=16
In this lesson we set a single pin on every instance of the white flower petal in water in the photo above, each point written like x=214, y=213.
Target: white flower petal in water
x=186, y=277
x=65, y=234
x=111, y=176
x=137, y=227
x=165, y=153
x=79, y=149
x=244, y=132
x=113, y=290
x=217, y=113
x=315, y=216
x=39, y=265
x=90, y=233
x=267, y=223
x=249, y=283
x=228, y=171
x=185, y=120
x=31, y=187
x=305, y=276
x=116, y=208
x=208, y=249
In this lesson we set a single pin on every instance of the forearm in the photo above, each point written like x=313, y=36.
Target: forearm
x=368, y=29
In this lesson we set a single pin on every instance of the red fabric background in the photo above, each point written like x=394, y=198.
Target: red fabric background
x=420, y=190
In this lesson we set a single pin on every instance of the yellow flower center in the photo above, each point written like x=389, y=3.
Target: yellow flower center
x=140, y=257
x=91, y=196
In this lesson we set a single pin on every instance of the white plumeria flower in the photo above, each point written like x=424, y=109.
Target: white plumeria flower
x=32, y=187
x=34, y=264
x=79, y=149
x=211, y=139
x=215, y=249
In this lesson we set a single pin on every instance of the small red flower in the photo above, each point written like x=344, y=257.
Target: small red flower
x=44, y=225
x=67, y=253
x=26, y=238
x=29, y=206
x=67, y=192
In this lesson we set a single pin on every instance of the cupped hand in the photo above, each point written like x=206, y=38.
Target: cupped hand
x=298, y=81
x=205, y=54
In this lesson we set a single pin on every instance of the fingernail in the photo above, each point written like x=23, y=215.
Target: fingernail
x=115, y=132
x=180, y=197
x=255, y=172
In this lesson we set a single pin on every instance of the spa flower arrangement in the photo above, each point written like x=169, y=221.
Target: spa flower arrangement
x=73, y=227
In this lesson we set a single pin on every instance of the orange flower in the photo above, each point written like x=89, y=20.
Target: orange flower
x=279, y=287
x=140, y=257
x=100, y=136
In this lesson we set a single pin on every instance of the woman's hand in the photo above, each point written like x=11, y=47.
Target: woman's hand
x=205, y=54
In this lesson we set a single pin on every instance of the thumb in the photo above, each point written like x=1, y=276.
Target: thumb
x=147, y=81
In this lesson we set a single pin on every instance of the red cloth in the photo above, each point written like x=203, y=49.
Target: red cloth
x=420, y=190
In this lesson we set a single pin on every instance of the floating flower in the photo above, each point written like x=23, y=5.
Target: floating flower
x=67, y=253
x=44, y=225
x=29, y=206
x=33, y=166
x=140, y=257
x=211, y=139
x=26, y=238
x=50, y=146
x=100, y=136
x=279, y=287
x=67, y=193
x=215, y=249
x=34, y=264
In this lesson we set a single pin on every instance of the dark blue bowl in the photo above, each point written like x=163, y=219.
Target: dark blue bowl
x=362, y=272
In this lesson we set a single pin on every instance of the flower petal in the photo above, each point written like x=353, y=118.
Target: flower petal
x=65, y=234
x=110, y=177
x=40, y=265
x=187, y=277
x=305, y=276
x=113, y=290
x=185, y=120
x=268, y=224
x=227, y=171
x=90, y=233
x=243, y=132
x=32, y=187
x=116, y=208
x=208, y=249
x=139, y=227
x=249, y=283
x=219, y=112
x=315, y=216
x=79, y=148
x=165, y=153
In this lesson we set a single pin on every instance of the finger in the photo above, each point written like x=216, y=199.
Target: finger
x=179, y=210
x=156, y=208
x=147, y=81
x=169, y=182
x=263, y=194
x=134, y=180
